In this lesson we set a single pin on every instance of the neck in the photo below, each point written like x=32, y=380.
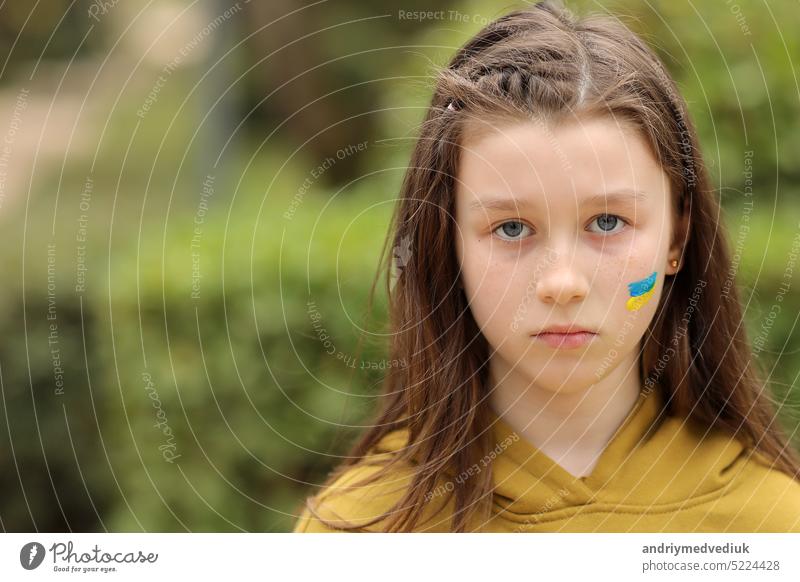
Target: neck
x=572, y=426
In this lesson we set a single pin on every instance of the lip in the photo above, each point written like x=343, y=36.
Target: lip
x=565, y=329
x=557, y=337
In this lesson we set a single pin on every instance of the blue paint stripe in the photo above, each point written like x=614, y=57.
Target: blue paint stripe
x=641, y=287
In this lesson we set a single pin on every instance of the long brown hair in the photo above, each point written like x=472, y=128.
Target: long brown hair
x=543, y=61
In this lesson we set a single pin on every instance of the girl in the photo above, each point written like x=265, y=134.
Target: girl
x=576, y=360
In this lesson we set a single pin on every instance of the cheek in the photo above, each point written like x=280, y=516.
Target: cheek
x=494, y=288
x=632, y=285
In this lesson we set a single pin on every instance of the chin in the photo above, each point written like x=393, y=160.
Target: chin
x=560, y=376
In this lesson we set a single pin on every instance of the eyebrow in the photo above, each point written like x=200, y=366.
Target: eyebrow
x=594, y=200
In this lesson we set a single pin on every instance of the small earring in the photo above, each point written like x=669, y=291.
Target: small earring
x=674, y=262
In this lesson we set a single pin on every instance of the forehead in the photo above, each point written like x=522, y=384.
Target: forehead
x=572, y=159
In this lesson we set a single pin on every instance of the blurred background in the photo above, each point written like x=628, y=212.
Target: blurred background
x=193, y=198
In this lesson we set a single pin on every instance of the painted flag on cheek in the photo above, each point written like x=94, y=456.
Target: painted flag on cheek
x=641, y=292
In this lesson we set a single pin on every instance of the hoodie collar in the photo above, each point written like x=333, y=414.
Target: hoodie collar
x=651, y=459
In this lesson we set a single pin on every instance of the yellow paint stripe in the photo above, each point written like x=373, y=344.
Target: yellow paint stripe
x=635, y=303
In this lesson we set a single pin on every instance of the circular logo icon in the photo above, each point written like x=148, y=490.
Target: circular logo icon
x=31, y=555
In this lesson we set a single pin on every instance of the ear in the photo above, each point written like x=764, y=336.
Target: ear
x=680, y=239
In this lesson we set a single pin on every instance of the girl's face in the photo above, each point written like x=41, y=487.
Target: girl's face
x=562, y=225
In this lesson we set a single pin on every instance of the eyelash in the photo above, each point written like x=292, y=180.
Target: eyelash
x=516, y=240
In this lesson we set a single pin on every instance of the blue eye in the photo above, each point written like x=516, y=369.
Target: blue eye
x=511, y=229
x=607, y=223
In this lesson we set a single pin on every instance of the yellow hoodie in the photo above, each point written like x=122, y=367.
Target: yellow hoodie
x=671, y=478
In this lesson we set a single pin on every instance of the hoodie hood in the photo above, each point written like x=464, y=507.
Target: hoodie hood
x=658, y=473
x=651, y=460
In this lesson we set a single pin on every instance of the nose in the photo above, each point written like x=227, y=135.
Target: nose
x=561, y=281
